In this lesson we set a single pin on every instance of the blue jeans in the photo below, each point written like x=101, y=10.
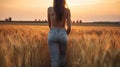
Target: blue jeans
x=57, y=42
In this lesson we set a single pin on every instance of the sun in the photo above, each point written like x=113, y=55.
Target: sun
x=81, y=2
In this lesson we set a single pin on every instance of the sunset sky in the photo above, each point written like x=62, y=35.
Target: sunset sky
x=86, y=10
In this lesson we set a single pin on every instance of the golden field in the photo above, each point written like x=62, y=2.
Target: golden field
x=89, y=46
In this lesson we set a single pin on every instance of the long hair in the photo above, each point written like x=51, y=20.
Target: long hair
x=59, y=8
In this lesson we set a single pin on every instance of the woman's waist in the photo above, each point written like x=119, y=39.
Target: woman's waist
x=57, y=29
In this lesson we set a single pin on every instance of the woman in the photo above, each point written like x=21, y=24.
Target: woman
x=58, y=16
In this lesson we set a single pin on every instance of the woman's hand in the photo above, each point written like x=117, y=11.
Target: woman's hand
x=68, y=31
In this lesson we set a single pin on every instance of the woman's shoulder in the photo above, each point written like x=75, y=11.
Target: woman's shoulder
x=67, y=9
x=50, y=8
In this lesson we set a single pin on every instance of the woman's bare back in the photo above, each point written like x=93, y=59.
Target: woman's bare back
x=52, y=18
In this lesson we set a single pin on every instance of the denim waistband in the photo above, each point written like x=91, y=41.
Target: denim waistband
x=55, y=29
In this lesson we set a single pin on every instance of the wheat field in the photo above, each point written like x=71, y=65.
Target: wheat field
x=89, y=46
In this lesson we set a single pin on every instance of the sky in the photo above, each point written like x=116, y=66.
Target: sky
x=85, y=10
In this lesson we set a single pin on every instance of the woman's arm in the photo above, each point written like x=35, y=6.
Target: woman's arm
x=68, y=21
x=49, y=22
